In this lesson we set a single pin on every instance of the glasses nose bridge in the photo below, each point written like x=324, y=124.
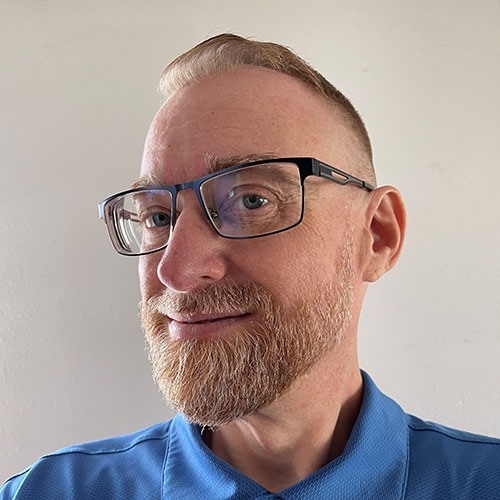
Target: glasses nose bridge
x=177, y=188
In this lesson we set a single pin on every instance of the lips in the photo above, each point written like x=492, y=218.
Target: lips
x=202, y=326
x=204, y=318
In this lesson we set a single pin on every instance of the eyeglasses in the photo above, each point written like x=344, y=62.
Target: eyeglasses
x=243, y=201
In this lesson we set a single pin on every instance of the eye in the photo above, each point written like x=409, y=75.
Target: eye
x=158, y=219
x=252, y=201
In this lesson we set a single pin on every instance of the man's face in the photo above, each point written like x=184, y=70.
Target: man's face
x=232, y=324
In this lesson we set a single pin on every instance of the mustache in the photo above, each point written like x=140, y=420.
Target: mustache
x=213, y=298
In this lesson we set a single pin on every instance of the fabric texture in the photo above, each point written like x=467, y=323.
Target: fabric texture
x=389, y=455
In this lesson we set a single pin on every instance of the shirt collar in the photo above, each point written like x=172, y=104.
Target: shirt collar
x=373, y=464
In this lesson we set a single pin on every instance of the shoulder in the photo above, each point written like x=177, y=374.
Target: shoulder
x=451, y=443
x=115, y=466
x=461, y=464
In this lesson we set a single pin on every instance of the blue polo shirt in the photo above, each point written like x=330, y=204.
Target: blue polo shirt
x=389, y=455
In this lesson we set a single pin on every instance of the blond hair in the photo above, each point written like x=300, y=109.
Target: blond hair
x=225, y=52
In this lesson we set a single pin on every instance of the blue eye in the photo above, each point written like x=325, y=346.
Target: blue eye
x=252, y=201
x=158, y=219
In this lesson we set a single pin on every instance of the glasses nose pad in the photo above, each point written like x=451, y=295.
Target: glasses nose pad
x=212, y=215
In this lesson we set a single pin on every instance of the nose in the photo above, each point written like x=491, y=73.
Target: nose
x=195, y=255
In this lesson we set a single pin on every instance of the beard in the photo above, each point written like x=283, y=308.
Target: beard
x=217, y=380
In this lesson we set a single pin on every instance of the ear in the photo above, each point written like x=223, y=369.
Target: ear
x=384, y=230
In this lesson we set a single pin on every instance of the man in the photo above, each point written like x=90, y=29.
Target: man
x=259, y=226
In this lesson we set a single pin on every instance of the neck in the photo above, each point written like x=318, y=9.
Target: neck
x=298, y=434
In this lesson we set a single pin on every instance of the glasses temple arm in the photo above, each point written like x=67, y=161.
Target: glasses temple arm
x=340, y=177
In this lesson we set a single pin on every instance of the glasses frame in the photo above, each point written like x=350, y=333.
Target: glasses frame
x=307, y=166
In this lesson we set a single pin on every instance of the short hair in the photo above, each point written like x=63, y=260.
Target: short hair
x=226, y=52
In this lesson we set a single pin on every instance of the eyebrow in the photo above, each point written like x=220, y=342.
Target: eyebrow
x=214, y=164
x=147, y=180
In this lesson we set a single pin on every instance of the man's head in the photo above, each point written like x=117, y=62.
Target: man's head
x=235, y=324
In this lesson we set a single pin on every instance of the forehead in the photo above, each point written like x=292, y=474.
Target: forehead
x=248, y=114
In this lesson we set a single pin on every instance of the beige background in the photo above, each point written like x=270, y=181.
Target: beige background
x=77, y=91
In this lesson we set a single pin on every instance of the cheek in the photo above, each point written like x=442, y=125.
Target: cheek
x=287, y=264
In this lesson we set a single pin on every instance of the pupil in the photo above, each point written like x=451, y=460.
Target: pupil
x=160, y=219
x=252, y=201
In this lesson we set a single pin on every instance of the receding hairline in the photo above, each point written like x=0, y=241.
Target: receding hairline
x=227, y=53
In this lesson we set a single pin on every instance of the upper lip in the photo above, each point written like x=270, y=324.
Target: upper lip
x=202, y=317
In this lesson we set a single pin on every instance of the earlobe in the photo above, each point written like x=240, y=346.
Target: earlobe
x=385, y=226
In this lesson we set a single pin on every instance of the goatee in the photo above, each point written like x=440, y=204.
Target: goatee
x=217, y=380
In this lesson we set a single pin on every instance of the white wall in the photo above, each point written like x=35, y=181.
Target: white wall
x=77, y=91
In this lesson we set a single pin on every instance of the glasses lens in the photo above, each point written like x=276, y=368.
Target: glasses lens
x=141, y=221
x=254, y=201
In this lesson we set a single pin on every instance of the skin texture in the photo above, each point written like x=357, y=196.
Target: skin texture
x=255, y=111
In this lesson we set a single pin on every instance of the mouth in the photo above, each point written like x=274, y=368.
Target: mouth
x=201, y=326
x=204, y=318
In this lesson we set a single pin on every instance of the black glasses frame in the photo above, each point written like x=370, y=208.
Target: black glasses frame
x=307, y=166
